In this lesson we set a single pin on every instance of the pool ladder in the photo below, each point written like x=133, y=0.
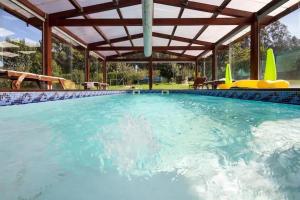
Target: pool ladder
x=136, y=92
x=165, y=92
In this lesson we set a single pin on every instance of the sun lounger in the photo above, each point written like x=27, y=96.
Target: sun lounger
x=18, y=77
x=199, y=82
x=98, y=85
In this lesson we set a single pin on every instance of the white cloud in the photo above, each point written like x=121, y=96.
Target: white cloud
x=28, y=42
x=27, y=52
x=8, y=54
x=5, y=44
x=4, y=32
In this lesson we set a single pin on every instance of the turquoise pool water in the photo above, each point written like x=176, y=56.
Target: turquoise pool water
x=161, y=147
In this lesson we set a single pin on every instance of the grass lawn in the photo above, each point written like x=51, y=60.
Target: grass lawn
x=158, y=86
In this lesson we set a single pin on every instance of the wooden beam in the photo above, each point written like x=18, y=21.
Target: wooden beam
x=104, y=71
x=136, y=52
x=121, y=17
x=266, y=21
x=156, y=22
x=255, y=51
x=87, y=65
x=181, y=39
x=214, y=69
x=32, y=7
x=150, y=68
x=182, y=59
x=176, y=54
x=155, y=48
x=155, y=34
x=261, y=14
x=122, y=55
x=93, y=9
x=183, y=4
x=115, y=40
x=87, y=17
x=125, y=3
x=273, y=5
x=196, y=69
x=47, y=51
x=47, y=47
x=214, y=16
x=205, y=8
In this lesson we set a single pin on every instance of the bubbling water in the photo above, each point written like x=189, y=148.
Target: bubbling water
x=150, y=147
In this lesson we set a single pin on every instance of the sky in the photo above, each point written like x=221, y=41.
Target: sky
x=14, y=28
x=293, y=22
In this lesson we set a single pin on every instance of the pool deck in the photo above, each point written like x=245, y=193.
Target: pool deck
x=285, y=96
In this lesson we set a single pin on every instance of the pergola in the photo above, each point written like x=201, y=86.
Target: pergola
x=188, y=29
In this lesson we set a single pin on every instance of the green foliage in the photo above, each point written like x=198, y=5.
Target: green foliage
x=24, y=62
x=167, y=71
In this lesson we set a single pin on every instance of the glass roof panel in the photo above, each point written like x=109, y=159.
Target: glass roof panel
x=188, y=13
x=209, y=53
x=84, y=3
x=124, y=43
x=107, y=53
x=16, y=8
x=240, y=34
x=178, y=43
x=113, y=31
x=87, y=34
x=212, y=2
x=60, y=34
x=164, y=11
x=193, y=53
x=138, y=42
x=284, y=6
x=110, y=14
x=210, y=35
x=248, y=5
x=177, y=51
x=132, y=11
x=135, y=29
x=53, y=5
x=121, y=52
x=196, y=45
x=187, y=31
x=160, y=41
x=162, y=29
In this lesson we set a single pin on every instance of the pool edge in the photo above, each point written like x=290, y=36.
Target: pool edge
x=25, y=97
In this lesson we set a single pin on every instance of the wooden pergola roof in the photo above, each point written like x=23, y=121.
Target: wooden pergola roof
x=189, y=29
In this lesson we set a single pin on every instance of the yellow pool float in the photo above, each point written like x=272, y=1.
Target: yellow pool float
x=270, y=77
x=256, y=84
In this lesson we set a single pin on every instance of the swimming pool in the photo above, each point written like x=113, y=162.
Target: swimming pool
x=150, y=146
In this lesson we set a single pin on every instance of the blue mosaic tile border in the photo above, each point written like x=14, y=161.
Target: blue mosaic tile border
x=276, y=96
x=15, y=98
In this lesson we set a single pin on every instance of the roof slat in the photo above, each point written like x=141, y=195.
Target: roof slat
x=156, y=22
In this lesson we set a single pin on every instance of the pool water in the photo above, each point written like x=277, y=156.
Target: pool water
x=150, y=147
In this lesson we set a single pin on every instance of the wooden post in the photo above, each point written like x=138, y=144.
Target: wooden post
x=214, y=70
x=47, y=51
x=196, y=69
x=150, y=65
x=104, y=71
x=255, y=50
x=87, y=65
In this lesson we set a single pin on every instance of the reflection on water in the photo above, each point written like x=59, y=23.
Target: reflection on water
x=150, y=147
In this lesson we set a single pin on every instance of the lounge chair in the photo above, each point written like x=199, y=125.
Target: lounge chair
x=18, y=77
x=98, y=85
x=199, y=82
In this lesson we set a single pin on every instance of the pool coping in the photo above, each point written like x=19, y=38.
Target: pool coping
x=284, y=96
